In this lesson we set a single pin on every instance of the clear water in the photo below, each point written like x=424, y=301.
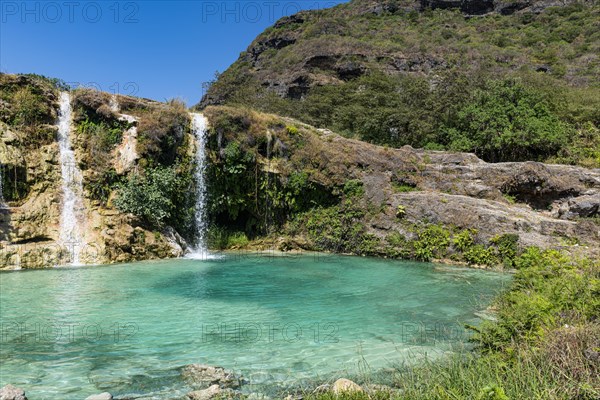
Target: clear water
x=199, y=126
x=71, y=216
x=71, y=332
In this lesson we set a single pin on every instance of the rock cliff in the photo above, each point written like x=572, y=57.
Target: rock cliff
x=273, y=178
x=401, y=191
x=29, y=220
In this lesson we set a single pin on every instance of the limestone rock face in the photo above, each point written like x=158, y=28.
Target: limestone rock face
x=10, y=392
x=32, y=188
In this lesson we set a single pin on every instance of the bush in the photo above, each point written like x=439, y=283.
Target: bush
x=150, y=196
x=28, y=108
x=354, y=188
x=292, y=130
x=480, y=255
x=463, y=240
x=508, y=246
x=432, y=243
x=507, y=121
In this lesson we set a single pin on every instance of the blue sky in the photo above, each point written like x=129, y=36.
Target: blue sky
x=153, y=49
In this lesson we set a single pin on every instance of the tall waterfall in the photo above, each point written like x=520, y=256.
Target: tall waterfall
x=199, y=127
x=1, y=195
x=72, y=186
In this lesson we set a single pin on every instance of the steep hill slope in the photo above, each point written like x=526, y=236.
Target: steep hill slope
x=397, y=72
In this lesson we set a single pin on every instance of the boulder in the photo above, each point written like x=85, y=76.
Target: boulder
x=205, y=394
x=10, y=392
x=585, y=206
x=200, y=375
x=345, y=386
x=101, y=396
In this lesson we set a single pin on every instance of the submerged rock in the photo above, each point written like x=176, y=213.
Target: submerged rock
x=205, y=394
x=10, y=392
x=200, y=375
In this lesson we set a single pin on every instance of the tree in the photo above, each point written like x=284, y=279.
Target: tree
x=507, y=121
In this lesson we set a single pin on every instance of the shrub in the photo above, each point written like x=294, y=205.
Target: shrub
x=508, y=246
x=150, y=196
x=400, y=211
x=28, y=108
x=292, y=130
x=464, y=240
x=403, y=188
x=432, y=243
x=354, y=188
x=480, y=255
x=492, y=392
x=507, y=121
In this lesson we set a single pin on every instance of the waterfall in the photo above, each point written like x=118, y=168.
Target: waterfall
x=72, y=185
x=1, y=195
x=199, y=127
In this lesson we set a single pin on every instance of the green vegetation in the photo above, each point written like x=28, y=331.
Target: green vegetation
x=432, y=242
x=250, y=189
x=102, y=136
x=403, y=188
x=506, y=87
x=26, y=110
x=507, y=121
x=222, y=239
x=152, y=196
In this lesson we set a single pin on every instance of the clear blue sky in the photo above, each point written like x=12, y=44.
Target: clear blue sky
x=153, y=49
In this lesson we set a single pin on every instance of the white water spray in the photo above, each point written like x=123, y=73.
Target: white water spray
x=199, y=127
x=72, y=185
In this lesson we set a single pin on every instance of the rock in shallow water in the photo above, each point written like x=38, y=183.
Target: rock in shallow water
x=101, y=396
x=205, y=394
x=200, y=375
x=10, y=392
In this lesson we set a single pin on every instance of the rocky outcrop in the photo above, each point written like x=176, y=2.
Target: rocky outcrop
x=10, y=392
x=205, y=394
x=203, y=376
x=544, y=205
x=31, y=173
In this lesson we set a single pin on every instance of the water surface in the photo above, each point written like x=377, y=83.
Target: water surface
x=71, y=332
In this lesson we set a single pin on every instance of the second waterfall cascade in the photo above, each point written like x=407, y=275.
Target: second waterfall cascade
x=199, y=128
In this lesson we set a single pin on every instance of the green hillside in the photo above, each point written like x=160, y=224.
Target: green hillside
x=512, y=87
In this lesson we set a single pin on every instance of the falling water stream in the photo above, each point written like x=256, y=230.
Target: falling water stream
x=71, y=216
x=199, y=126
